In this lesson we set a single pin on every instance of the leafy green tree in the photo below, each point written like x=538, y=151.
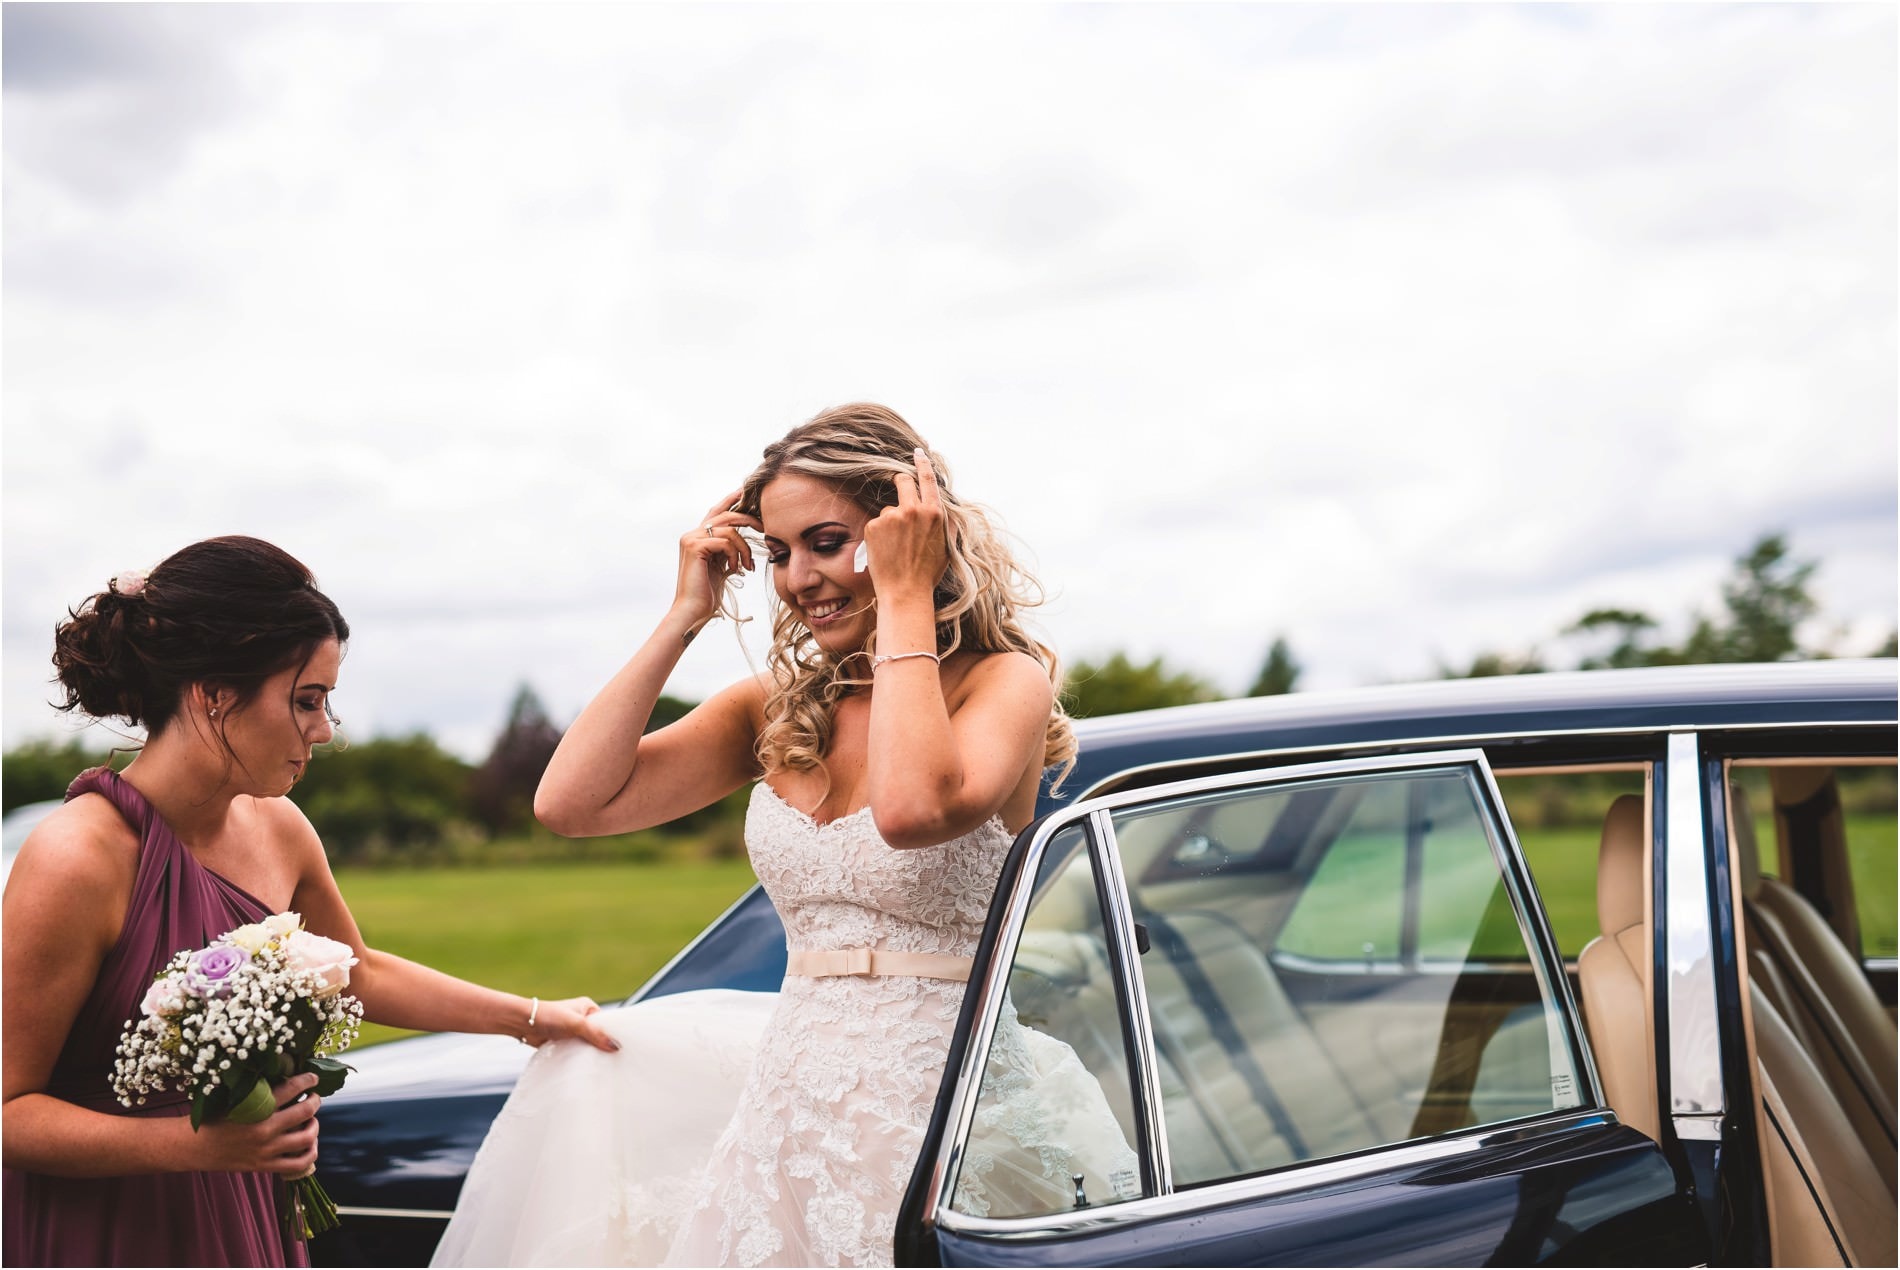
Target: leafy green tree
x=392, y=793
x=1628, y=626
x=40, y=771
x=1279, y=674
x=501, y=792
x=1118, y=686
x=1490, y=665
x=1764, y=599
x=1767, y=598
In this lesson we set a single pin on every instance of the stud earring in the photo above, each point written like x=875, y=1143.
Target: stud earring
x=212, y=712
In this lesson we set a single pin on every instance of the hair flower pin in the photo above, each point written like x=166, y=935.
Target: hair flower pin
x=129, y=583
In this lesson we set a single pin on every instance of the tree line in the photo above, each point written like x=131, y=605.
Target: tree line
x=407, y=799
x=1765, y=600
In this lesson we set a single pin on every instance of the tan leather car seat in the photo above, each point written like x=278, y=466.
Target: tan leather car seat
x=1827, y=1202
x=1613, y=969
x=1820, y=995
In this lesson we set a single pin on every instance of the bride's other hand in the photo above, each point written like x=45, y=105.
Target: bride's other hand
x=577, y=1018
x=709, y=553
x=906, y=544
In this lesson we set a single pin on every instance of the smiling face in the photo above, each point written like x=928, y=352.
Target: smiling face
x=271, y=734
x=812, y=531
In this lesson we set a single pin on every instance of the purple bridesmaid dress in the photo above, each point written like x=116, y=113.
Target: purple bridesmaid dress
x=148, y=1219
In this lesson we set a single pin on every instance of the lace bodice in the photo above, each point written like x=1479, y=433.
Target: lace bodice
x=838, y=885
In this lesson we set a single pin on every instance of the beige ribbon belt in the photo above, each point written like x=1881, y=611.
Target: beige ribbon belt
x=877, y=961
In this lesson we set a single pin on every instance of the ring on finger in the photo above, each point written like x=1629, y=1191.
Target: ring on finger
x=710, y=533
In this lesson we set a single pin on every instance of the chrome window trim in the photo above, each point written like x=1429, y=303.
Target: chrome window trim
x=1547, y=959
x=969, y=1080
x=1690, y=1015
x=1463, y=740
x=1112, y=888
x=1283, y=1181
x=1097, y=815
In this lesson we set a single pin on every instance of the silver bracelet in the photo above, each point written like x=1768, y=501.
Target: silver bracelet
x=881, y=658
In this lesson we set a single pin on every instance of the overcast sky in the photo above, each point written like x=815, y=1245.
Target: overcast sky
x=1408, y=332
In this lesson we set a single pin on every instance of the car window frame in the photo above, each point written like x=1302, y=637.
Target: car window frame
x=938, y=1173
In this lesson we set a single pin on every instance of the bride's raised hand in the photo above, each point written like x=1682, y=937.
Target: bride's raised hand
x=576, y=1018
x=906, y=543
x=709, y=553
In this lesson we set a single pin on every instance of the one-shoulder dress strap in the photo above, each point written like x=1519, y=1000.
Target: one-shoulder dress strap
x=165, y=865
x=121, y=792
x=159, y=847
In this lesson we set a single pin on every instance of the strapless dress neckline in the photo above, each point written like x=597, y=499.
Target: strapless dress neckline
x=815, y=823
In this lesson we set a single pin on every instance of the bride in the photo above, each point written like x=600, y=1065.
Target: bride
x=897, y=741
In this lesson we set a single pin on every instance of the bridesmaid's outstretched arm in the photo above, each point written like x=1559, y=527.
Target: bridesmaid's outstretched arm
x=398, y=992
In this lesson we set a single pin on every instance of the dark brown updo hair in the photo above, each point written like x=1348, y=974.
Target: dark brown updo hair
x=232, y=611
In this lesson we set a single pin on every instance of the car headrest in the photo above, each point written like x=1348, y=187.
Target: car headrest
x=1747, y=850
x=1620, y=866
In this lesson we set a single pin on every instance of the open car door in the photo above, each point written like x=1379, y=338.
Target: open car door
x=1303, y=1015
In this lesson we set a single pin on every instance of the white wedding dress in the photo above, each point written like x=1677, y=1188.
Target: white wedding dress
x=739, y=1128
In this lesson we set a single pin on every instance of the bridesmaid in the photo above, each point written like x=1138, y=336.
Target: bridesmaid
x=227, y=655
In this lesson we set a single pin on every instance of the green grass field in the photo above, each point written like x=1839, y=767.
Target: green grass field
x=553, y=930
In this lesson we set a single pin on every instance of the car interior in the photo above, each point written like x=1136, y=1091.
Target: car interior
x=1822, y=1045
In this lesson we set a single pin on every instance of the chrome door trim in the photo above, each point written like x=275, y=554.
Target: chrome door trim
x=1546, y=958
x=1294, y=1177
x=1112, y=886
x=1690, y=1015
x=969, y=1080
x=1462, y=740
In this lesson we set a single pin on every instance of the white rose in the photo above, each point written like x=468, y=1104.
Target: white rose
x=250, y=938
x=329, y=960
x=282, y=923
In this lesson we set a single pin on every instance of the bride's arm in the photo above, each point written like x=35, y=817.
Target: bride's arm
x=933, y=776
x=589, y=787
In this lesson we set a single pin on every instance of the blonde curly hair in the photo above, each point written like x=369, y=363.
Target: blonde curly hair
x=860, y=449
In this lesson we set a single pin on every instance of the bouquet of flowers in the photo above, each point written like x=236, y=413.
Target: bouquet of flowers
x=222, y=1023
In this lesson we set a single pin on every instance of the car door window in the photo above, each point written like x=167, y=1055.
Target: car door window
x=1328, y=965
x=1341, y=969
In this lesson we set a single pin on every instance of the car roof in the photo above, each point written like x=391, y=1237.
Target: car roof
x=1648, y=699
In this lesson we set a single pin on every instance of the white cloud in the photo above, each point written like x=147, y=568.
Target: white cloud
x=1408, y=331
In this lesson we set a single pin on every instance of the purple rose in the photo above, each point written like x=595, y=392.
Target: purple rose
x=208, y=974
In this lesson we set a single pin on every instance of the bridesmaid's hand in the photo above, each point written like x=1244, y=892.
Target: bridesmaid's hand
x=709, y=553
x=577, y=1018
x=906, y=543
x=284, y=1142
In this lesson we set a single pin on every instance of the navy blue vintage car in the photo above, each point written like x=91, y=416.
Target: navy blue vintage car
x=1570, y=968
